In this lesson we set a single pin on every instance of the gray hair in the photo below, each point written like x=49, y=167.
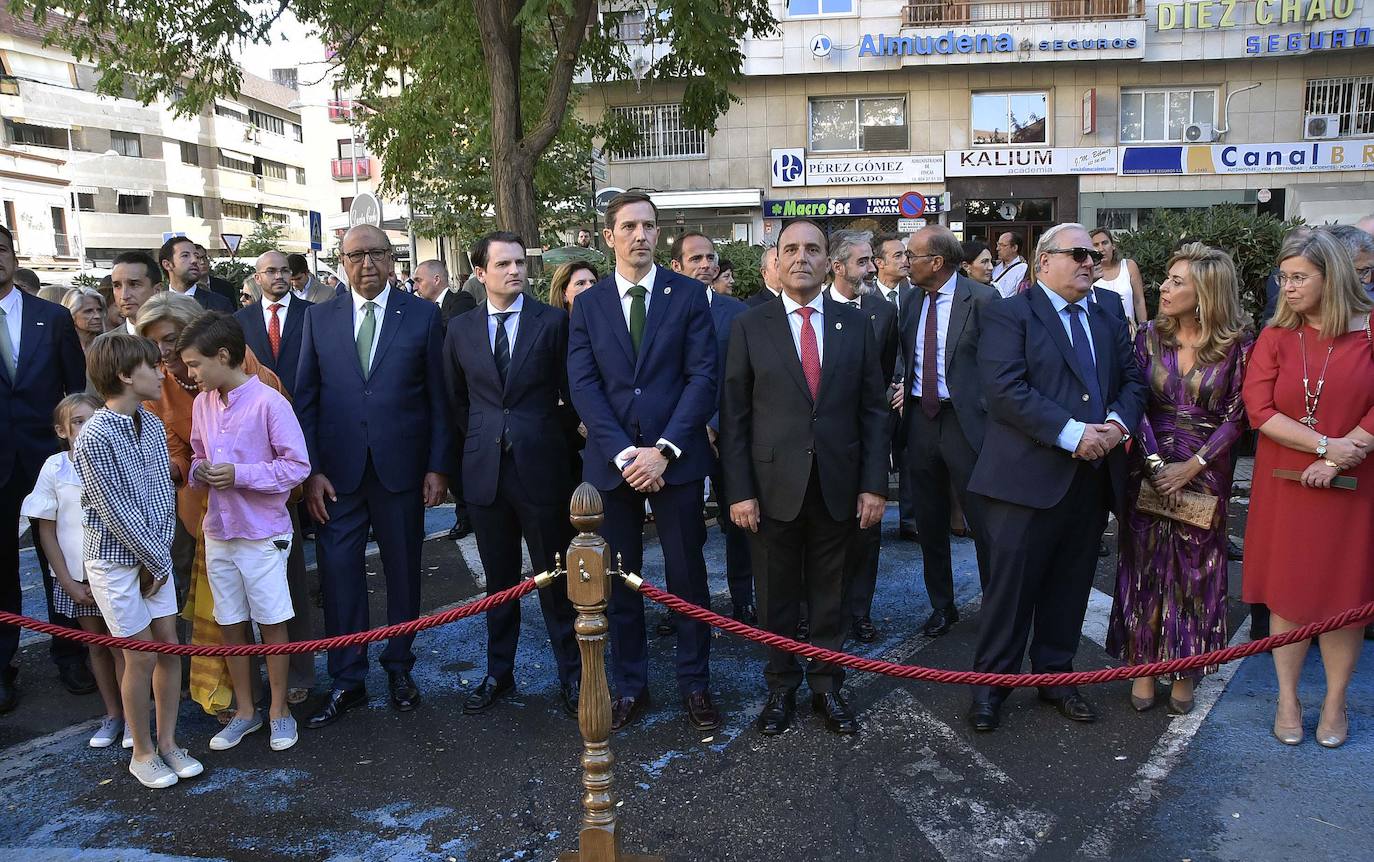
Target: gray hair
x=842, y=243
x=72, y=300
x=1354, y=239
x=1047, y=239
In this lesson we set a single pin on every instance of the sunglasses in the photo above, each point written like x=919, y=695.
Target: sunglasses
x=1080, y=254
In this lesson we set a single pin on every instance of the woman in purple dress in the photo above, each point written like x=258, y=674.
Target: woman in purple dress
x=1171, y=578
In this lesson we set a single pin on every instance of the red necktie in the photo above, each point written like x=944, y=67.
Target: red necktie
x=930, y=392
x=274, y=330
x=810, y=354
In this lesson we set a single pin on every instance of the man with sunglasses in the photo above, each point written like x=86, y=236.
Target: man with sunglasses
x=1063, y=393
x=370, y=397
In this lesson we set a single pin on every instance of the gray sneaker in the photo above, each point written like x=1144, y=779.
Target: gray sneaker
x=107, y=733
x=182, y=763
x=234, y=732
x=128, y=740
x=152, y=773
x=283, y=733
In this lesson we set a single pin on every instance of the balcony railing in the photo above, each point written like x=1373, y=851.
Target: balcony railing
x=346, y=169
x=62, y=246
x=340, y=110
x=940, y=12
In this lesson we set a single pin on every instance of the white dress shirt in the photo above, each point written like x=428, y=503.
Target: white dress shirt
x=284, y=302
x=14, y=317
x=1072, y=432
x=891, y=294
x=379, y=313
x=623, y=285
x=190, y=291
x=1006, y=278
x=944, y=303
x=794, y=321
x=512, y=323
x=836, y=296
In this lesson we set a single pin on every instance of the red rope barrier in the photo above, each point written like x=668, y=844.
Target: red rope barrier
x=1353, y=616
x=480, y=606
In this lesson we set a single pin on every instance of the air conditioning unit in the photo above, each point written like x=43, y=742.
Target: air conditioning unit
x=250, y=133
x=1199, y=133
x=1320, y=127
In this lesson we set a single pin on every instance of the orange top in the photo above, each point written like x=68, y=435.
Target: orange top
x=174, y=409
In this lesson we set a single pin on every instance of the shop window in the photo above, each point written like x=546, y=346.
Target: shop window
x=1352, y=99
x=1000, y=119
x=195, y=206
x=1162, y=115
x=85, y=202
x=126, y=144
x=190, y=153
x=855, y=124
x=134, y=204
x=662, y=134
x=806, y=8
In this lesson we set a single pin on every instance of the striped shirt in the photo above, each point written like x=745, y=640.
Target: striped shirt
x=126, y=490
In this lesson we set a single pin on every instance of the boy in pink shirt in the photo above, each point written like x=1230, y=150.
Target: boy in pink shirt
x=247, y=447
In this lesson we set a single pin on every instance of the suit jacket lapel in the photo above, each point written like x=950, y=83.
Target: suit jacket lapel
x=32, y=337
x=1100, y=328
x=295, y=319
x=531, y=322
x=961, y=305
x=388, y=324
x=614, y=312
x=835, y=337
x=480, y=338
x=658, y=309
x=780, y=330
x=343, y=328
x=1044, y=310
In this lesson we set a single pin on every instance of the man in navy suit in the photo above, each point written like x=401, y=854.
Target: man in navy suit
x=642, y=374
x=506, y=366
x=768, y=269
x=370, y=397
x=694, y=254
x=182, y=264
x=1063, y=393
x=40, y=363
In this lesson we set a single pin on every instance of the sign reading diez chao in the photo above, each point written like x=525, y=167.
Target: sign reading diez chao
x=1298, y=157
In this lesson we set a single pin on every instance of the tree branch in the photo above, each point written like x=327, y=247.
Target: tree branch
x=560, y=80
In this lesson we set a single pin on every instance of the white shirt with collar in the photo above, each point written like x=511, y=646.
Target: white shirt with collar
x=836, y=296
x=1007, y=277
x=284, y=302
x=794, y=321
x=1072, y=432
x=512, y=322
x=944, y=303
x=623, y=285
x=190, y=291
x=14, y=317
x=129, y=326
x=378, y=314
x=891, y=294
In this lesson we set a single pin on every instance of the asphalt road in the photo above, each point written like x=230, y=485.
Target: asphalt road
x=915, y=784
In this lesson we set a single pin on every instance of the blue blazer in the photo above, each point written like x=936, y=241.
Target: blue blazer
x=724, y=309
x=668, y=391
x=255, y=334
x=522, y=411
x=51, y=366
x=397, y=416
x=1033, y=387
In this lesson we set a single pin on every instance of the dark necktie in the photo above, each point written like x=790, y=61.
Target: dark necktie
x=930, y=387
x=637, y=315
x=502, y=344
x=1082, y=349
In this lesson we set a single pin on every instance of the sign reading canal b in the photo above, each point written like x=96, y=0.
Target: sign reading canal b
x=1296, y=157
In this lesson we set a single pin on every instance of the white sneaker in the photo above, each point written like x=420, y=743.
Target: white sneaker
x=283, y=733
x=152, y=773
x=182, y=763
x=107, y=733
x=234, y=732
x=128, y=741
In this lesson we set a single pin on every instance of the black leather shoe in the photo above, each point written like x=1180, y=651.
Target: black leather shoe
x=1235, y=553
x=777, y=712
x=701, y=714
x=570, y=694
x=747, y=614
x=909, y=534
x=486, y=694
x=9, y=689
x=404, y=695
x=460, y=529
x=665, y=625
x=983, y=716
x=838, y=718
x=1074, y=707
x=76, y=678
x=624, y=710
x=340, y=701
x=803, y=630
x=940, y=622
x=864, y=632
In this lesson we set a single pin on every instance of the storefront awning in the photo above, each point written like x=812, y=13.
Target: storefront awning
x=709, y=199
x=86, y=190
x=135, y=193
x=237, y=156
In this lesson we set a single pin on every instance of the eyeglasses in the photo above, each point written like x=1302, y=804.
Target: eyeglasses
x=911, y=256
x=1365, y=273
x=275, y=271
x=1297, y=279
x=376, y=255
x=1080, y=254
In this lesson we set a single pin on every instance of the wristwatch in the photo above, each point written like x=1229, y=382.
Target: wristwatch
x=1155, y=463
x=667, y=452
x=1321, y=446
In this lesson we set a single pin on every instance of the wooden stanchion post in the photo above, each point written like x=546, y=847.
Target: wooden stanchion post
x=589, y=573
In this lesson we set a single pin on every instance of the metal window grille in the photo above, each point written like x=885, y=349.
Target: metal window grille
x=661, y=134
x=1352, y=98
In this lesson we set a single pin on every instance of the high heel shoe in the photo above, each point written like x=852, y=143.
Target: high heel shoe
x=1288, y=735
x=1141, y=704
x=1180, y=707
x=1328, y=738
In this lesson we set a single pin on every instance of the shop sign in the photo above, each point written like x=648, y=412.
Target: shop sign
x=1016, y=161
x=1321, y=40
x=958, y=42
x=1297, y=157
x=1226, y=14
x=830, y=207
x=791, y=167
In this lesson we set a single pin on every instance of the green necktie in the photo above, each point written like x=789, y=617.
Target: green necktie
x=637, y=314
x=7, y=346
x=367, y=333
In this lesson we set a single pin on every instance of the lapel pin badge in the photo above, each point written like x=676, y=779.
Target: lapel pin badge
x=839, y=325
x=667, y=290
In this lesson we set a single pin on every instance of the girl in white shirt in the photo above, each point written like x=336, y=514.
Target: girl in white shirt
x=54, y=507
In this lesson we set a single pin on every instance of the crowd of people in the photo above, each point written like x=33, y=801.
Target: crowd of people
x=172, y=451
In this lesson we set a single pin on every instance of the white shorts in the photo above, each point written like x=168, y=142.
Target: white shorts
x=248, y=579
x=125, y=609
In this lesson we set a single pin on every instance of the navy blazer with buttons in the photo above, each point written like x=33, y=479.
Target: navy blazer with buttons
x=51, y=366
x=211, y=301
x=397, y=416
x=255, y=334
x=724, y=310
x=667, y=391
x=522, y=411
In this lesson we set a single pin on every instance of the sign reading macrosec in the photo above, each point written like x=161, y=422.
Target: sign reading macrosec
x=828, y=207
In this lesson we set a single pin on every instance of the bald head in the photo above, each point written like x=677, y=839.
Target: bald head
x=366, y=255
x=272, y=275
x=431, y=280
x=1366, y=224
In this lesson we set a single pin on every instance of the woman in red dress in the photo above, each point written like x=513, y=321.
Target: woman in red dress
x=1310, y=392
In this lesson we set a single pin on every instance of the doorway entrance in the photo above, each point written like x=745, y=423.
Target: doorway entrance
x=989, y=218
